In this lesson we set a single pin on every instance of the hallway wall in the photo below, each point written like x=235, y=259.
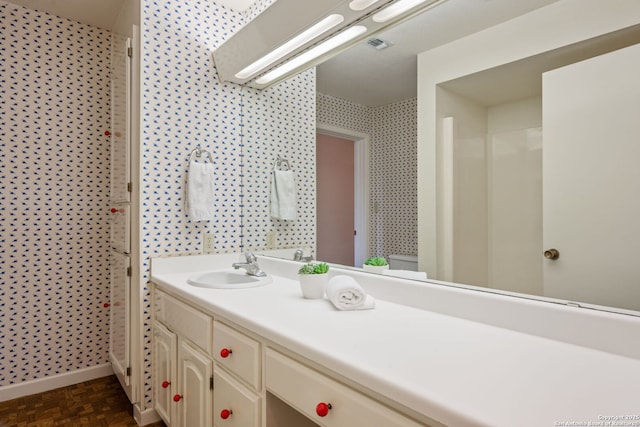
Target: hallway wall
x=54, y=176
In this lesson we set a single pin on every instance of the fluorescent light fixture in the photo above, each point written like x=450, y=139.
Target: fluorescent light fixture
x=311, y=54
x=309, y=34
x=396, y=9
x=361, y=4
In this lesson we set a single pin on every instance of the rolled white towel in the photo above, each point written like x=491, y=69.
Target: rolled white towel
x=347, y=294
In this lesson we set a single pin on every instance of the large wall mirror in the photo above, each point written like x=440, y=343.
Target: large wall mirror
x=477, y=139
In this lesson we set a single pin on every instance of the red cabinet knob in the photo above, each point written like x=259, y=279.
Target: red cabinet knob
x=176, y=398
x=225, y=352
x=225, y=413
x=322, y=409
x=106, y=305
x=165, y=384
x=107, y=133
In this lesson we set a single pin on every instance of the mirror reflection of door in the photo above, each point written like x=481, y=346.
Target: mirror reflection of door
x=335, y=199
x=592, y=180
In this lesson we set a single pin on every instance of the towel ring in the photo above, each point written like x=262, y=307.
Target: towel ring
x=198, y=152
x=282, y=164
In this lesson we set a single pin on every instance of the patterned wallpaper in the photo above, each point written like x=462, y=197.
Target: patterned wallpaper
x=280, y=121
x=56, y=102
x=392, y=129
x=54, y=176
x=184, y=104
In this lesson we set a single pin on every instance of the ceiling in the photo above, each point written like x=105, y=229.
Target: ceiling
x=390, y=75
x=99, y=13
x=521, y=79
x=380, y=77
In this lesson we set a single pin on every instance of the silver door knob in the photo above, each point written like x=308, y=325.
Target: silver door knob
x=552, y=254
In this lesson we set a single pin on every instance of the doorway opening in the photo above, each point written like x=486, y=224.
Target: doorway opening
x=342, y=169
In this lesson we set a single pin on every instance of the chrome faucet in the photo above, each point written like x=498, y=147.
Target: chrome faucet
x=298, y=256
x=252, y=267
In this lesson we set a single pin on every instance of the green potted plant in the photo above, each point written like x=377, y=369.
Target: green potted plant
x=313, y=279
x=375, y=264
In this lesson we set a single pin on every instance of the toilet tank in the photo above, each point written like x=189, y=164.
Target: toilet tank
x=403, y=262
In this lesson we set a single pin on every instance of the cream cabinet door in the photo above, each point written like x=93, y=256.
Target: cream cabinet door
x=194, y=387
x=234, y=405
x=165, y=353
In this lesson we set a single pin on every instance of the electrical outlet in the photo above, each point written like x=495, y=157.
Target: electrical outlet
x=271, y=239
x=208, y=243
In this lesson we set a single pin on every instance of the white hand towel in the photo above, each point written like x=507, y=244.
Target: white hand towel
x=347, y=294
x=200, y=191
x=283, y=195
x=406, y=274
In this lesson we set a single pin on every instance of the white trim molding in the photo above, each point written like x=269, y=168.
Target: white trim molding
x=14, y=391
x=146, y=416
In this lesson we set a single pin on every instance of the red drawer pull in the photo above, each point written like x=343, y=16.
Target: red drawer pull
x=225, y=413
x=322, y=409
x=225, y=352
x=177, y=398
x=165, y=384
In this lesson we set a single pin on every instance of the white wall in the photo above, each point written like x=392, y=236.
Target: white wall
x=514, y=155
x=469, y=240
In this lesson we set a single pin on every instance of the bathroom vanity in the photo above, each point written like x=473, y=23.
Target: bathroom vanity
x=264, y=356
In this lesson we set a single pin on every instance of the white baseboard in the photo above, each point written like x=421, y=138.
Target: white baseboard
x=27, y=388
x=148, y=416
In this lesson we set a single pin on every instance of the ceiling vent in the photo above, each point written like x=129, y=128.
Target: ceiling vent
x=379, y=44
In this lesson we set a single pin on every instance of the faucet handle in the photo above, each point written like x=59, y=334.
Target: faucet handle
x=250, y=257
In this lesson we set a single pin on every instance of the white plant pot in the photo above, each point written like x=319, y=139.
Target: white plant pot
x=313, y=286
x=376, y=269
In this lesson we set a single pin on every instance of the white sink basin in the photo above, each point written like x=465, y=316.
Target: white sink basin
x=227, y=279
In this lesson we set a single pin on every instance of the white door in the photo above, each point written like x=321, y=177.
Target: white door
x=119, y=328
x=119, y=211
x=120, y=119
x=120, y=228
x=591, y=184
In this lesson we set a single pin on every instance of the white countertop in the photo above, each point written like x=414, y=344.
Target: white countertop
x=456, y=371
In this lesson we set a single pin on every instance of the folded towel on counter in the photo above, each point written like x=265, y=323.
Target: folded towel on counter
x=347, y=294
x=406, y=274
x=200, y=199
x=283, y=195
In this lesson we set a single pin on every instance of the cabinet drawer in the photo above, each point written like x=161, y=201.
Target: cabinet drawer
x=184, y=320
x=237, y=352
x=304, y=388
x=233, y=404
